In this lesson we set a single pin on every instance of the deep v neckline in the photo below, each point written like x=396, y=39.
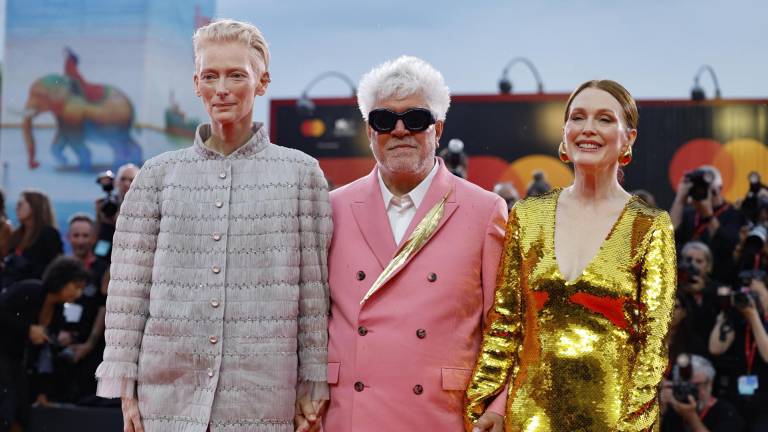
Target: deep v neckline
x=599, y=250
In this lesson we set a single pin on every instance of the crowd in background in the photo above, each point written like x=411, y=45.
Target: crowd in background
x=52, y=306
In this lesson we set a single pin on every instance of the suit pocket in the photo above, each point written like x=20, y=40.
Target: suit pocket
x=455, y=378
x=333, y=373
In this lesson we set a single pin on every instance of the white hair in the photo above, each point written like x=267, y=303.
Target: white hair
x=124, y=168
x=717, y=178
x=227, y=30
x=703, y=366
x=400, y=78
x=699, y=246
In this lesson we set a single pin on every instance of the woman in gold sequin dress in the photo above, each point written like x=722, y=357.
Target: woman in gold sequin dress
x=585, y=290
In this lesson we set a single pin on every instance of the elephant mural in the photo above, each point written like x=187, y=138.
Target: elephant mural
x=80, y=119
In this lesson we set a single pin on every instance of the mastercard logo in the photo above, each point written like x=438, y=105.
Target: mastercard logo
x=312, y=128
x=520, y=172
x=735, y=160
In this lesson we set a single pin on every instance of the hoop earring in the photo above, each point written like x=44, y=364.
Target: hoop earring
x=562, y=154
x=626, y=158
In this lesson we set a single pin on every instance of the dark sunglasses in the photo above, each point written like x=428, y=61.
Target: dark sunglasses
x=415, y=119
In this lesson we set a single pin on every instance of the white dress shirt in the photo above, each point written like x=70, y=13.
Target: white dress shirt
x=402, y=210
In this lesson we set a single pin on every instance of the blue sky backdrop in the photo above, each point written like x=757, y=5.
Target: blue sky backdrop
x=653, y=47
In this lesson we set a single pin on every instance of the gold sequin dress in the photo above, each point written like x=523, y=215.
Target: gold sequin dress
x=581, y=355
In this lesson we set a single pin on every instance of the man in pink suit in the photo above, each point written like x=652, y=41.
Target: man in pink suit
x=404, y=335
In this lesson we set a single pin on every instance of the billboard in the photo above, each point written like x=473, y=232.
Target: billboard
x=508, y=137
x=91, y=85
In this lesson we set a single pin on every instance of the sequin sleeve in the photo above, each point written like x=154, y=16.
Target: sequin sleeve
x=503, y=333
x=658, y=281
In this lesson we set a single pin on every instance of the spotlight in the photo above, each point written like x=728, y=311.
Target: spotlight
x=697, y=92
x=305, y=105
x=505, y=85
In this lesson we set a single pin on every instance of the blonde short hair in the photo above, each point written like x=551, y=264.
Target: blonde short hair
x=227, y=30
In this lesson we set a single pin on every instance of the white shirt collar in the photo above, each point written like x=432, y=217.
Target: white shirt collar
x=416, y=195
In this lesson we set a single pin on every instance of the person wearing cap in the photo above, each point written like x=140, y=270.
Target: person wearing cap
x=218, y=299
x=412, y=267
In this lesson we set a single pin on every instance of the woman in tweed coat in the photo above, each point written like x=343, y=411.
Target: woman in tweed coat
x=216, y=313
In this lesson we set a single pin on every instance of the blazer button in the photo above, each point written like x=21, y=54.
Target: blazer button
x=432, y=277
x=222, y=175
x=418, y=389
x=216, y=236
x=216, y=269
x=210, y=373
x=219, y=204
x=421, y=333
x=362, y=331
x=359, y=386
x=214, y=303
x=213, y=339
x=360, y=275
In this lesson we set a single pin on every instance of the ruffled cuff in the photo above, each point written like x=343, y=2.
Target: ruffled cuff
x=116, y=388
x=317, y=390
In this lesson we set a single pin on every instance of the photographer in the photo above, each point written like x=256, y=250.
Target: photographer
x=740, y=345
x=755, y=203
x=688, y=404
x=455, y=159
x=26, y=310
x=698, y=296
x=699, y=212
x=80, y=325
x=108, y=207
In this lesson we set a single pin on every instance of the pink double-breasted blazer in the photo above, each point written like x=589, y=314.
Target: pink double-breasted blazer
x=402, y=361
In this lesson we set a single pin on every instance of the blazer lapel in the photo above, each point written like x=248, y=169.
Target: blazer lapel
x=371, y=217
x=442, y=183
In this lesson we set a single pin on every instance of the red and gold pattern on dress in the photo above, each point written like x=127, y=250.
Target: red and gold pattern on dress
x=581, y=355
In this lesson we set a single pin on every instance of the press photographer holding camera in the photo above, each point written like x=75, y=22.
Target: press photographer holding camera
x=108, y=207
x=697, y=294
x=687, y=402
x=700, y=212
x=739, y=344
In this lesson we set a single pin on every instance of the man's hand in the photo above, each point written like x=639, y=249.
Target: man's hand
x=37, y=335
x=683, y=189
x=81, y=351
x=686, y=410
x=131, y=415
x=489, y=422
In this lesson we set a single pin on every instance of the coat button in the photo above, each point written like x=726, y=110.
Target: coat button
x=216, y=236
x=215, y=303
x=219, y=204
x=362, y=331
x=360, y=275
x=222, y=175
x=213, y=339
x=421, y=333
x=210, y=373
x=359, y=386
x=432, y=277
x=216, y=269
x=418, y=389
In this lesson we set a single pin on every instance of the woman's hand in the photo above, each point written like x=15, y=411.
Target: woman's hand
x=489, y=422
x=131, y=415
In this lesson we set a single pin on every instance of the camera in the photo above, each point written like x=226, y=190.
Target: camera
x=700, y=179
x=739, y=298
x=686, y=270
x=682, y=374
x=110, y=205
x=754, y=204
